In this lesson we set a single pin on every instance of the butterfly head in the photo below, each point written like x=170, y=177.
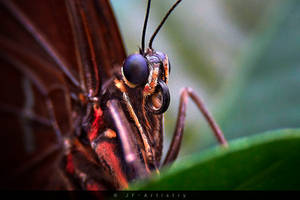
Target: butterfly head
x=150, y=71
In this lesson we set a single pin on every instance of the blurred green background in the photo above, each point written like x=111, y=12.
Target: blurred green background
x=241, y=56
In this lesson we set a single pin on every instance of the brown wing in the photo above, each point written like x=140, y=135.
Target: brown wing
x=51, y=51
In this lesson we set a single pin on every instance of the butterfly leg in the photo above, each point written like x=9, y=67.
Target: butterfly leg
x=177, y=137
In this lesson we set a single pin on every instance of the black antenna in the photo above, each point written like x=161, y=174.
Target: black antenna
x=162, y=23
x=145, y=27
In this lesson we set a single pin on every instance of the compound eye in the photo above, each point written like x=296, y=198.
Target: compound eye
x=135, y=69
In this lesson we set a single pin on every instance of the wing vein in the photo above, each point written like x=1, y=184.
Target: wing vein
x=39, y=38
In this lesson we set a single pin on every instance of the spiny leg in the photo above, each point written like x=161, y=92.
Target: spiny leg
x=177, y=137
x=124, y=132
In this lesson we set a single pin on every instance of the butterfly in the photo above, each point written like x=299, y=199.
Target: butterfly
x=76, y=111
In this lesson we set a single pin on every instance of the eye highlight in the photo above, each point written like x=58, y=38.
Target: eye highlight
x=135, y=69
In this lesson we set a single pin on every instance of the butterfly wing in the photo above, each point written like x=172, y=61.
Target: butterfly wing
x=51, y=52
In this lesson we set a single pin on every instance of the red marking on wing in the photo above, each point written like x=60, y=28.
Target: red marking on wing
x=106, y=151
x=93, y=187
x=97, y=123
x=70, y=166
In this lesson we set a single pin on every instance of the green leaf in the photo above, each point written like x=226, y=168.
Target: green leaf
x=268, y=161
x=265, y=94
